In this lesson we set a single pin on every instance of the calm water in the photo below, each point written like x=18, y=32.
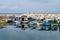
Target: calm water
x=11, y=33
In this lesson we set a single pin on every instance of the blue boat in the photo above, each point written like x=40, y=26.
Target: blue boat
x=17, y=18
x=12, y=19
x=47, y=25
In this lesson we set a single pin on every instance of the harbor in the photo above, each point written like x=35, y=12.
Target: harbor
x=29, y=19
x=25, y=27
x=42, y=22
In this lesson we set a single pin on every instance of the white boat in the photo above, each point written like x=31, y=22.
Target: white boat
x=17, y=22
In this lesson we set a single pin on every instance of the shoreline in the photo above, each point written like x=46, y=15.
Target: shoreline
x=33, y=15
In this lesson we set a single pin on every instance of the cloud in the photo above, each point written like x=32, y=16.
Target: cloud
x=8, y=7
x=40, y=6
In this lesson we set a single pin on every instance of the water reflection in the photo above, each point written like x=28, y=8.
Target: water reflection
x=26, y=32
x=41, y=28
x=17, y=34
x=33, y=26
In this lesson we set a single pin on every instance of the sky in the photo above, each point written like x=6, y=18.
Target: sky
x=32, y=6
